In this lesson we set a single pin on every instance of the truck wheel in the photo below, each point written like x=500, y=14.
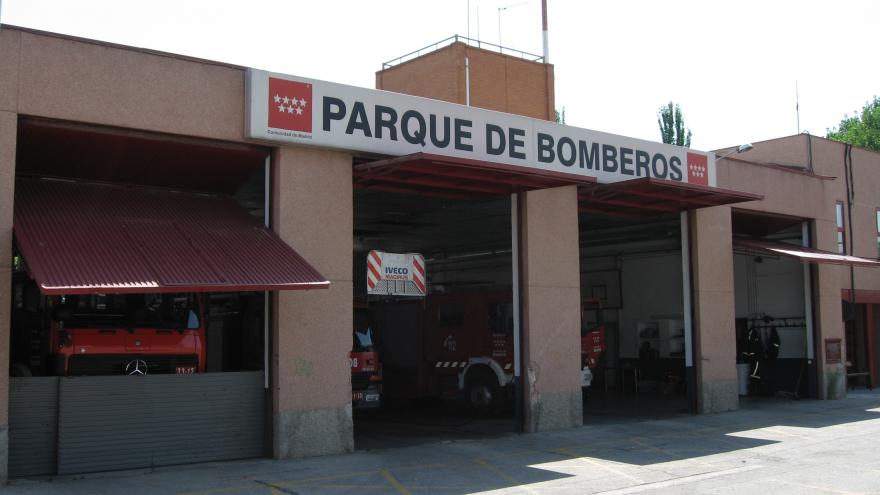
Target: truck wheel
x=483, y=393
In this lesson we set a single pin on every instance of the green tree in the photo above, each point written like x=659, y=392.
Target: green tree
x=862, y=129
x=560, y=116
x=672, y=129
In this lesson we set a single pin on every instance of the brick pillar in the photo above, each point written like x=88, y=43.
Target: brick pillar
x=8, y=126
x=551, y=310
x=714, y=310
x=312, y=211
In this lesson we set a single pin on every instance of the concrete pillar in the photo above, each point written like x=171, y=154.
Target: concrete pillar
x=8, y=125
x=829, y=317
x=312, y=330
x=551, y=309
x=714, y=310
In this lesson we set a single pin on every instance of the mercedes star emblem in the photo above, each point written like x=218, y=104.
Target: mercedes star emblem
x=136, y=367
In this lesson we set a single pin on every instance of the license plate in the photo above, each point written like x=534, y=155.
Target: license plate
x=371, y=397
x=185, y=370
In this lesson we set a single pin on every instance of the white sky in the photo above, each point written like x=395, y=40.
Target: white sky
x=731, y=65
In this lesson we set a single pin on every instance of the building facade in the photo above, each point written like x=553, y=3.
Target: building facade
x=83, y=112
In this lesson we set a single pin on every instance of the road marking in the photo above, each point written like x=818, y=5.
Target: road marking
x=600, y=465
x=393, y=482
x=678, y=481
x=273, y=488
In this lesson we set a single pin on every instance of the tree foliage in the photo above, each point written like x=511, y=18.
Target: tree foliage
x=560, y=116
x=672, y=129
x=862, y=129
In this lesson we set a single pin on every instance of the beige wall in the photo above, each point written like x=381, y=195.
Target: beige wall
x=551, y=294
x=312, y=211
x=498, y=82
x=85, y=81
x=10, y=48
x=8, y=124
x=792, y=194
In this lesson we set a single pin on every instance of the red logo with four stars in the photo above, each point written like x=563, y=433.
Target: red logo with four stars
x=290, y=105
x=698, y=169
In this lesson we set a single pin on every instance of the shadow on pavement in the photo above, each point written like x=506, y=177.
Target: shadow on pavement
x=598, y=457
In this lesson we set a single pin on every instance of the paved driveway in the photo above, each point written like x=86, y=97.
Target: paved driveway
x=767, y=446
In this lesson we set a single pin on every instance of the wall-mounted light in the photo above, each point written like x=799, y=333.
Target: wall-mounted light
x=739, y=149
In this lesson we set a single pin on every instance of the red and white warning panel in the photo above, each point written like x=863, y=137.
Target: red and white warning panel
x=396, y=274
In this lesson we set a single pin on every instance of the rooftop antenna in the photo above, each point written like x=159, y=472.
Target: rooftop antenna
x=797, y=105
x=500, y=9
x=544, y=31
x=478, y=25
x=467, y=62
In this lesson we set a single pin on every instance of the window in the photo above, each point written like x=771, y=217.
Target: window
x=174, y=311
x=841, y=237
x=878, y=232
x=501, y=318
x=451, y=315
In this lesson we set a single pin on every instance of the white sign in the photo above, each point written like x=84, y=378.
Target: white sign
x=395, y=274
x=289, y=109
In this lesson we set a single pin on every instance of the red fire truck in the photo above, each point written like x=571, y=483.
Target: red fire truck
x=469, y=348
x=127, y=334
x=458, y=345
x=593, y=344
x=592, y=336
x=448, y=346
x=366, y=370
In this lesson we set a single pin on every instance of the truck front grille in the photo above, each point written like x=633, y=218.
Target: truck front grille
x=360, y=381
x=114, y=364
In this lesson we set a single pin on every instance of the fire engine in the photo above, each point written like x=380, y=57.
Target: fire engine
x=366, y=372
x=457, y=346
x=447, y=346
x=593, y=344
x=107, y=334
x=131, y=334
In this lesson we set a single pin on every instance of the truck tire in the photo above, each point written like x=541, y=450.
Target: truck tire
x=483, y=392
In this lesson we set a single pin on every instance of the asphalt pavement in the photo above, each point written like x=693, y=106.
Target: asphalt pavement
x=768, y=446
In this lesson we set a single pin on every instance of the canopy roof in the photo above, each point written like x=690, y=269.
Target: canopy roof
x=80, y=238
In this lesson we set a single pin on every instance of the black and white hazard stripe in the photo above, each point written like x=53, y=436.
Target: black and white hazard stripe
x=462, y=364
x=451, y=364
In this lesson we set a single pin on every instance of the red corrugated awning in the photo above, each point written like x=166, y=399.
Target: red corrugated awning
x=647, y=195
x=461, y=178
x=457, y=178
x=81, y=238
x=803, y=254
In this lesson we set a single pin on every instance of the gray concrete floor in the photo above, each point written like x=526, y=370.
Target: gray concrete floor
x=771, y=446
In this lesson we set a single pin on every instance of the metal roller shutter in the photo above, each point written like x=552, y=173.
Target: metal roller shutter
x=125, y=422
x=33, y=425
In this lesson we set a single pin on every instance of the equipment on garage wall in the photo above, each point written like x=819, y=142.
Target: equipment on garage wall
x=396, y=274
x=604, y=286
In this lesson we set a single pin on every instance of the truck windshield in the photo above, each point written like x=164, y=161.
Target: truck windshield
x=170, y=311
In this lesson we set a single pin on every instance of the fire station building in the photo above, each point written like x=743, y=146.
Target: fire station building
x=247, y=201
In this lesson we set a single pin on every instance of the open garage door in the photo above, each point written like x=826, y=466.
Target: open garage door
x=447, y=356
x=130, y=281
x=635, y=319
x=774, y=270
